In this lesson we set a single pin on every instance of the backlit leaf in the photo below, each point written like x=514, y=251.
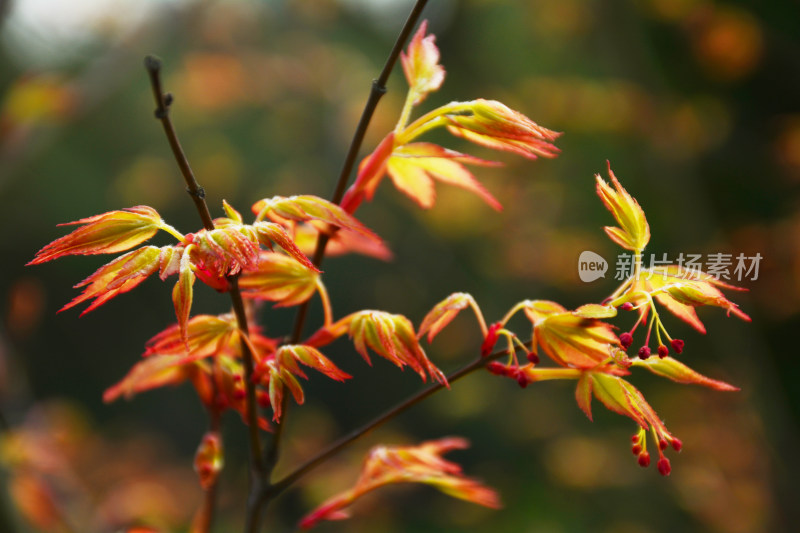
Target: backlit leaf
x=115, y=231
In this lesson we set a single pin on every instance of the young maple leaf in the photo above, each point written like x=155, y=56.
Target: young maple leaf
x=308, y=208
x=413, y=167
x=108, y=233
x=340, y=243
x=280, y=370
x=386, y=465
x=206, y=335
x=209, y=459
x=633, y=232
x=623, y=398
x=571, y=338
x=445, y=311
x=390, y=336
x=495, y=125
x=421, y=65
x=678, y=372
x=279, y=278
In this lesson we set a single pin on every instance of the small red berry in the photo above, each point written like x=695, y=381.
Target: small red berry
x=663, y=351
x=522, y=379
x=676, y=444
x=662, y=444
x=626, y=339
x=239, y=394
x=627, y=306
x=644, y=352
x=677, y=345
x=636, y=449
x=533, y=358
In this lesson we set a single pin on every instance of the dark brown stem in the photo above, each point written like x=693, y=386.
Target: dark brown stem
x=163, y=101
x=196, y=192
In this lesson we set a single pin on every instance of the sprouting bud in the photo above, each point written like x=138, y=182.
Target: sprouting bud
x=262, y=397
x=522, y=379
x=222, y=401
x=491, y=339
x=627, y=306
x=644, y=352
x=663, y=351
x=662, y=444
x=677, y=345
x=636, y=448
x=644, y=459
x=498, y=369
x=533, y=358
x=625, y=340
x=664, y=467
x=676, y=444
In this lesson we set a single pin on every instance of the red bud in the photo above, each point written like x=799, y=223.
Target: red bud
x=491, y=339
x=663, y=351
x=626, y=339
x=644, y=352
x=677, y=345
x=533, y=358
x=664, y=467
x=644, y=459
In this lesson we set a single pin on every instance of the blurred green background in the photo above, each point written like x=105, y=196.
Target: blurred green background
x=694, y=102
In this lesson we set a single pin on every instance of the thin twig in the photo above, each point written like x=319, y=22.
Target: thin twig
x=378, y=89
x=196, y=192
x=335, y=447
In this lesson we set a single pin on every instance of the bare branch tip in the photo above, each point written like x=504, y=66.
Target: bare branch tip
x=152, y=64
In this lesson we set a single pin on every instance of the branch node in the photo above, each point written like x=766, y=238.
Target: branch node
x=168, y=99
x=152, y=64
x=377, y=87
x=199, y=192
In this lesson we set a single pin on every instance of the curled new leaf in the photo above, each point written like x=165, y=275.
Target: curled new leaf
x=569, y=338
x=288, y=355
x=269, y=232
x=182, y=295
x=279, y=278
x=205, y=335
x=444, y=312
x=115, y=231
x=307, y=208
x=621, y=397
x=492, y=124
x=392, y=337
x=119, y=276
x=676, y=371
x=633, y=232
x=407, y=464
x=421, y=65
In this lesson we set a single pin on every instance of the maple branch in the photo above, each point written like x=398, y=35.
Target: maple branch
x=281, y=485
x=378, y=89
x=196, y=192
